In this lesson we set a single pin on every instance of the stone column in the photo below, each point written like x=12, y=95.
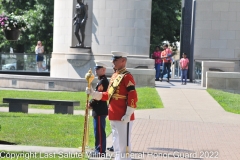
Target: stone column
x=62, y=37
x=69, y=62
x=122, y=25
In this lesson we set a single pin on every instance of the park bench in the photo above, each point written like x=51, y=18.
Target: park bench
x=21, y=105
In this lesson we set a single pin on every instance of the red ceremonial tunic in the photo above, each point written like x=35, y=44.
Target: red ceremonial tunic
x=125, y=95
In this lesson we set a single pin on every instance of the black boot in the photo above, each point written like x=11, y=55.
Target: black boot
x=111, y=149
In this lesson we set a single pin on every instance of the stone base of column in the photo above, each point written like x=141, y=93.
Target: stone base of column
x=76, y=64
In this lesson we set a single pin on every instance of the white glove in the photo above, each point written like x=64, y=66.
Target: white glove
x=89, y=90
x=95, y=94
x=126, y=118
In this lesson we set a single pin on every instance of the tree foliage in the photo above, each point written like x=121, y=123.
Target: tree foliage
x=165, y=22
x=39, y=14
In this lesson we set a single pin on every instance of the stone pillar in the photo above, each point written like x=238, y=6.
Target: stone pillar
x=186, y=34
x=69, y=62
x=122, y=25
x=62, y=37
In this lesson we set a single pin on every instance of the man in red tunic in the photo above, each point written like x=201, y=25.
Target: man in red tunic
x=122, y=98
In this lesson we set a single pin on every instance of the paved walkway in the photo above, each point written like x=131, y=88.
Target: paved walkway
x=191, y=125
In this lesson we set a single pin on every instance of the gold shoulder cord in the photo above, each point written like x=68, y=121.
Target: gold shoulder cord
x=115, y=84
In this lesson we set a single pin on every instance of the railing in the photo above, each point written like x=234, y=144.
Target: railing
x=177, y=70
x=198, y=71
x=23, y=62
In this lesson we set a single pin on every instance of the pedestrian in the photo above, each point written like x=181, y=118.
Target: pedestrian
x=39, y=50
x=158, y=62
x=167, y=60
x=100, y=110
x=183, y=63
x=122, y=98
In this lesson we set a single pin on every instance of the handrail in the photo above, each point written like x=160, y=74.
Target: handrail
x=22, y=62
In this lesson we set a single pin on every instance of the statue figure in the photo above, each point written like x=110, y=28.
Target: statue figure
x=80, y=20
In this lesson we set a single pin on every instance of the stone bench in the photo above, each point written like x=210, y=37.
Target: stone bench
x=215, y=69
x=220, y=65
x=227, y=81
x=21, y=105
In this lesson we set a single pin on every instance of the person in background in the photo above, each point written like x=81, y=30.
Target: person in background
x=183, y=63
x=167, y=60
x=158, y=62
x=100, y=111
x=39, y=50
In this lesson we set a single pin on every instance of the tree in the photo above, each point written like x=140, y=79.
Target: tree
x=165, y=22
x=39, y=14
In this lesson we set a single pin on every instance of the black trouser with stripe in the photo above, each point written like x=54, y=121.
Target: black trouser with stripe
x=99, y=123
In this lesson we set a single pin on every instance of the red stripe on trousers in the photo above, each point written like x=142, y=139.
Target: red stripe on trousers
x=99, y=131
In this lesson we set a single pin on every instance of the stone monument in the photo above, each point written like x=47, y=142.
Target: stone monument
x=112, y=25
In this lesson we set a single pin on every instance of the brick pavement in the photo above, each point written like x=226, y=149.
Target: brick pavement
x=191, y=124
x=174, y=137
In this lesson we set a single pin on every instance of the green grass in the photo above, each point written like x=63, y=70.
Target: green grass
x=147, y=97
x=54, y=130
x=229, y=101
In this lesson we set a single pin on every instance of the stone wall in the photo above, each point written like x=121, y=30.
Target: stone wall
x=227, y=81
x=42, y=83
x=224, y=66
x=217, y=30
x=67, y=84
